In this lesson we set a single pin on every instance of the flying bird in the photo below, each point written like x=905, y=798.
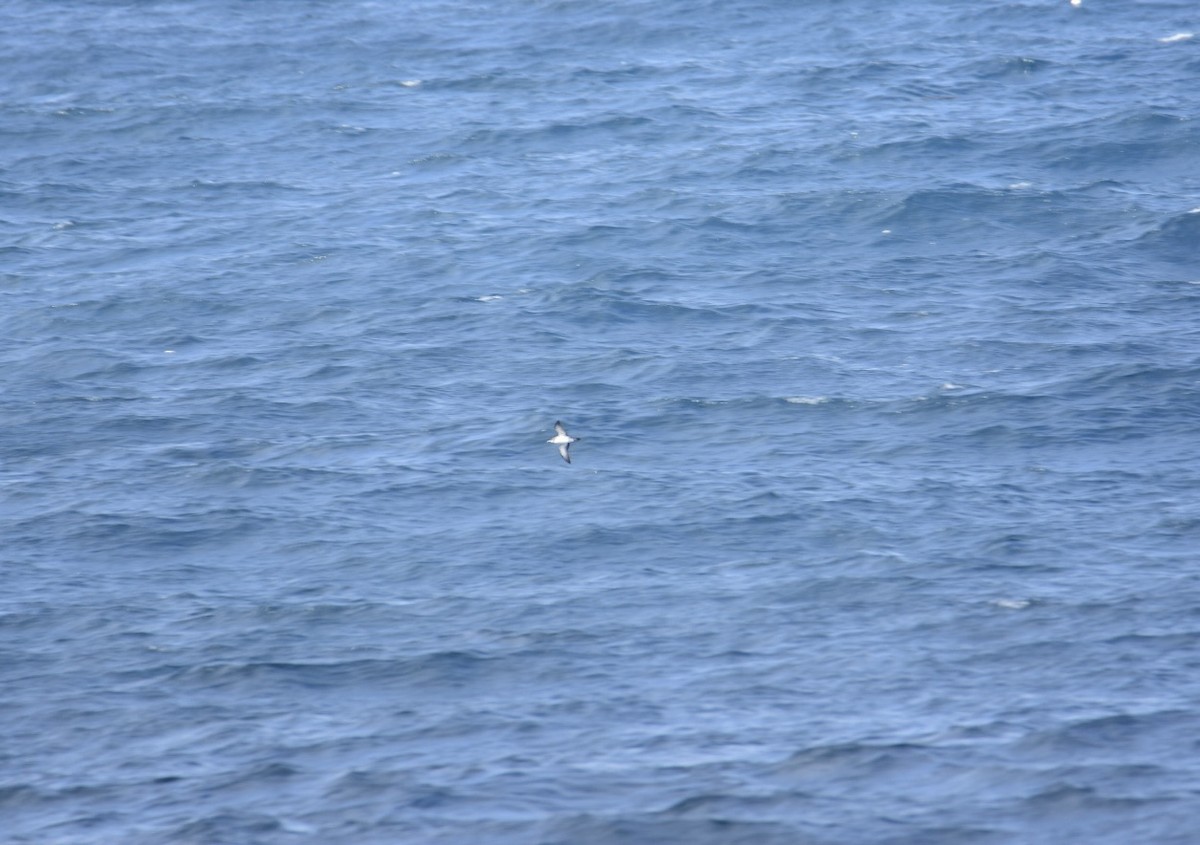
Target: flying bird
x=563, y=441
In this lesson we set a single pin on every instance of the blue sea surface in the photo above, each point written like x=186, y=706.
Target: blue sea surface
x=880, y=325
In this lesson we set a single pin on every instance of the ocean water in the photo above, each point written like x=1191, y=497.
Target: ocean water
x=880, y=323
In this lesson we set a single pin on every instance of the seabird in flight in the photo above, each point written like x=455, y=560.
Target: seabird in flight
x=563, y=441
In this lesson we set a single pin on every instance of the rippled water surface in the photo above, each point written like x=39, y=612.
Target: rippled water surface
x=880, y=323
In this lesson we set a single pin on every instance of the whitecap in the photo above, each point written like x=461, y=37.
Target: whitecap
x=806, y=400
x=1179, y=36
x=1012, y=604
x=491, y=298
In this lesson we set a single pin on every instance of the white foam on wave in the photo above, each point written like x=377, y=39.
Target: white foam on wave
x=491, y=298
x=1179, y=36
x=806, y=400
x=1012, y=604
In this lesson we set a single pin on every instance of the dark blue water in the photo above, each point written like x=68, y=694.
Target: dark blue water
x=880, y=323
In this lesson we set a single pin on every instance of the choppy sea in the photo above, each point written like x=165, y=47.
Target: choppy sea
x=880, y=325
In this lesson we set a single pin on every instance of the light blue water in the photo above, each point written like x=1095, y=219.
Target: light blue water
x=880, y=323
